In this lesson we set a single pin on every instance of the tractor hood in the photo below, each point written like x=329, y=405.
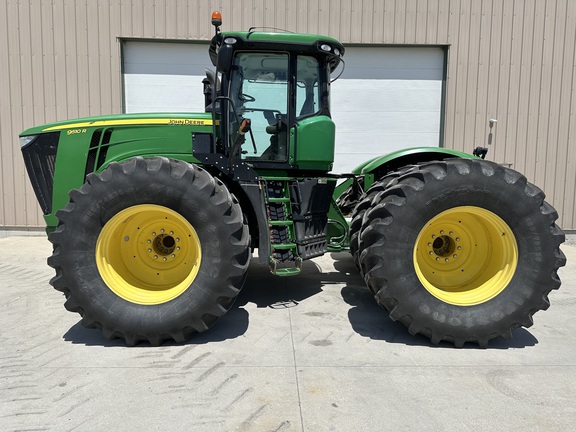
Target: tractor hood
x=59, y=156
x=147, y=119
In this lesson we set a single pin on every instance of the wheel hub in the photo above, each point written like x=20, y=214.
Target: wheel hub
x=148, y=254
x=163, y=246
x=444, y=246
x=465, y=255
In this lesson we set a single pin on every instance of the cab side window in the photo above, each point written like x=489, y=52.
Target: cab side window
x=307, y=88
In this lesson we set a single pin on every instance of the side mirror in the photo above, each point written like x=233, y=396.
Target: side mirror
x=211, y=88
x=225, y=57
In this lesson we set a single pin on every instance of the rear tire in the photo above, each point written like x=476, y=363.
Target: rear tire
x=461, y=250
x=348, y=200
x=363, y=205
x=150, y=250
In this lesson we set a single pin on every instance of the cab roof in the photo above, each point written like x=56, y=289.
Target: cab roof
x=280, y=41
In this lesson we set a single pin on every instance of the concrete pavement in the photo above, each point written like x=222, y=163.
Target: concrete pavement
x=307, y=353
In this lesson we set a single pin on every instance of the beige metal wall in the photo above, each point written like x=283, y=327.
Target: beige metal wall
x=513, y=60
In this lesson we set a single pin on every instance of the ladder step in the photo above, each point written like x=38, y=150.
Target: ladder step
x=287, y=272
x=280, y=223
x=279, y=205
x=277, y=178
x=283, y=246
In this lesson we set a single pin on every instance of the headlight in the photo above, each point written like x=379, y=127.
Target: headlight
x=25, y=140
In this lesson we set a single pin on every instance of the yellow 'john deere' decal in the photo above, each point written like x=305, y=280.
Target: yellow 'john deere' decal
x=126, y=122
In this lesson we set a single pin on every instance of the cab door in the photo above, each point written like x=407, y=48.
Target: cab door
x=259, y=90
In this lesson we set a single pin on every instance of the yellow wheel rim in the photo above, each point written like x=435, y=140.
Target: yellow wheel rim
x=465, y=256
x=148, y=254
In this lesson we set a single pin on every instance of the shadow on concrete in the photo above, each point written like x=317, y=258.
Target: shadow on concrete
x=371, y=321
x=267, y=290
x=232, y=325
x=78, y=334
x=261, y=288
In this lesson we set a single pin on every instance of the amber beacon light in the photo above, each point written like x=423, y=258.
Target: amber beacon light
x=217, y=20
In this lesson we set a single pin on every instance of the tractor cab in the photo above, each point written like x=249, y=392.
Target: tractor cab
x=270, y=98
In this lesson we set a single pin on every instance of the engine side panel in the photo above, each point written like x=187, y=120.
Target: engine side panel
x=89, y=145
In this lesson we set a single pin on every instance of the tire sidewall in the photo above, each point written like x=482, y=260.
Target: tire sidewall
x=202, y=202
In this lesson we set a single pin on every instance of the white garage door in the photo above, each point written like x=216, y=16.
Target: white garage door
x=388, y=98
x=164, y=76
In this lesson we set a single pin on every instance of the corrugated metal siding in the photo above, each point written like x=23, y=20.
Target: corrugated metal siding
x=513, y=60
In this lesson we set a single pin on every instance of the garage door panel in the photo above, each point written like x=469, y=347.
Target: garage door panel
x=369, y=143
x=360, y=147
x=346, y=162
x=415, y=122
x=372, y=73
x=382, y=84
x=148, y=93
x=165, y=58
x=164, y=77
x=389, y=102
x=388, y=98
x=394, y=63
x=355, y=95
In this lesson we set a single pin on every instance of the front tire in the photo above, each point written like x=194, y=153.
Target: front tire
x=150, y=250
x=461, y=250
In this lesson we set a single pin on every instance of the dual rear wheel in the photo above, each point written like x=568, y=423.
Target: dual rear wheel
x=460, y=250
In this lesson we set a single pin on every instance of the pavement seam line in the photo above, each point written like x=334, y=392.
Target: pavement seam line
x=295, y=369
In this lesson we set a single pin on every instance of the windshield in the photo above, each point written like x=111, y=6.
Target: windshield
x=259, y=91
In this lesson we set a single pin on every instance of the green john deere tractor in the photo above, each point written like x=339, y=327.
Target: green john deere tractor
x=153, y=217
